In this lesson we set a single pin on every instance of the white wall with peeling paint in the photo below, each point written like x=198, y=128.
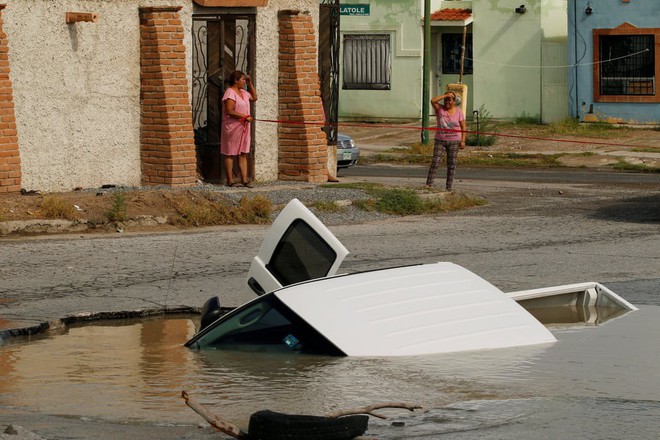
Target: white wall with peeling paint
x=77, y=90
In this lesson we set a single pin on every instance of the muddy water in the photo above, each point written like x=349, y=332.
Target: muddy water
x=595, y=382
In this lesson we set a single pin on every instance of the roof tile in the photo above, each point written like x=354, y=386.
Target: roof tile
x=451, y=14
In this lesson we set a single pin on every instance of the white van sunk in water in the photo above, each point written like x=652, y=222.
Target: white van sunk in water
x=304, y=307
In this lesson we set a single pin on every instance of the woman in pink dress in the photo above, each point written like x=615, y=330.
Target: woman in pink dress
x=235, y=137
x=452, y=138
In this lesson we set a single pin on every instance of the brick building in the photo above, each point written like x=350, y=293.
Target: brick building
x=114, y=93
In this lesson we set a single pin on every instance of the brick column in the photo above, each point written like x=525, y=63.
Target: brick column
x=167, y=147
x=303, y=149
x=10, y=158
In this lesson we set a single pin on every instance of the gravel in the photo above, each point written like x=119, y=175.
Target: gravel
x=283, y=192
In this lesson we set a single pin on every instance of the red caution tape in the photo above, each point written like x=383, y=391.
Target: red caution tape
x=407, y=127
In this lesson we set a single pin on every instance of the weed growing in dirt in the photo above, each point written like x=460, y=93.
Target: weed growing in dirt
x=572, y=126
x=526, y=119
x=484, y=124
x=398, y=201
x=419, y=152
x=327, y=206
x=415, y=153
x=406, y=201
x=117, y=212
x=364, y=186
x=566, y=127
x=482, y=140
x=510, y=160
x=206, y=209
x=56, y=207
x=625, y=166
x=254, y=210
x=202, y=213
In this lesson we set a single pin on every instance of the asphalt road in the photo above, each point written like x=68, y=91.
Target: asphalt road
x=531, y=175
x=532, y=233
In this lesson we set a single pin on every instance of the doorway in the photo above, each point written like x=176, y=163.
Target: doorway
x=222, y=43
x=328, y=66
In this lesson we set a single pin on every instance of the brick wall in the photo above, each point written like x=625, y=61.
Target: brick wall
x=167, y=147
x=10, y=159
x=303, y=149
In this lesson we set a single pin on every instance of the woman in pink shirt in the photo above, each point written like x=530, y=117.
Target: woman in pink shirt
x=450, y=136
x=235, y=135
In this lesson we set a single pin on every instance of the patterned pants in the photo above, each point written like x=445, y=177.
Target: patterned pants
x=439, y=148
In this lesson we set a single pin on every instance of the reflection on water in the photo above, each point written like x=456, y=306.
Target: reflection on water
x=134, y=372
x=576, y=315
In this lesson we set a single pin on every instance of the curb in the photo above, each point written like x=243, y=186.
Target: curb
x=25, y=328
x=45, y=227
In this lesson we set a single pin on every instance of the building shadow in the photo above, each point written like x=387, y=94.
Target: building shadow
x=636, y=210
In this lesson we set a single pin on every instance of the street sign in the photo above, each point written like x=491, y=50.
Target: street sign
x=354, y=9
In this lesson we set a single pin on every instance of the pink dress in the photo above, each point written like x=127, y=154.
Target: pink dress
x=235, y=136
x=451, y=122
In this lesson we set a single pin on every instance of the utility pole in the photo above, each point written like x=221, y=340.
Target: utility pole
x=425, y=68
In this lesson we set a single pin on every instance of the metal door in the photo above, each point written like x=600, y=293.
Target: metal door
x=328, y=65
x=298, y=247
x=221, y=44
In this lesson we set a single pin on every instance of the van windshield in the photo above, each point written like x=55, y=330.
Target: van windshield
x=265, y=324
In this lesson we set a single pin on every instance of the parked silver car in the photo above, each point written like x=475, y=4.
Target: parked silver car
x=347, y=153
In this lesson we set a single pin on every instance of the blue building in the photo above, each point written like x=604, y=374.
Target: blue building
x=614, y=54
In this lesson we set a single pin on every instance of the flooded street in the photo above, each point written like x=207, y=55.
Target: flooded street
x=594, y=382
x=123, y=378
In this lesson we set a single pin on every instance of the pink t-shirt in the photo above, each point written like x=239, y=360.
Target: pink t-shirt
x=450, y=122
x=235, y=136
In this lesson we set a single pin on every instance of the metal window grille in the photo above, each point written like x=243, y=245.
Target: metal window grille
x=367, y=62
x=627, y=65
x=451, y=54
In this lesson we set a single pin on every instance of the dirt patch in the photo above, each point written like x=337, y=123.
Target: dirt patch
x=95, y=206
x=135, y=209
x=523, y=137
x=610, y=146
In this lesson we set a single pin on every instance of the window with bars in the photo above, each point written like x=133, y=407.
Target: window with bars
x=451, y=54
x=627, y=65
x=367, y=62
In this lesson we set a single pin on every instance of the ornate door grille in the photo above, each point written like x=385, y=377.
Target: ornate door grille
x=328, y=65
x=221, y=44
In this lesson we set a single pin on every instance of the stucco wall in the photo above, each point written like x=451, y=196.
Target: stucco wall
x=516, y=67
x=402, y=20
x=266, y=81
x=507, y=46
x=77, y=90
x=607, y=14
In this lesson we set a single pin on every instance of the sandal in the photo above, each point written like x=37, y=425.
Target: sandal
x=247, y=185
x=234, y=185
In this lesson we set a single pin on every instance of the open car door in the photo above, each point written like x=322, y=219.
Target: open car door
x=298, y=247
